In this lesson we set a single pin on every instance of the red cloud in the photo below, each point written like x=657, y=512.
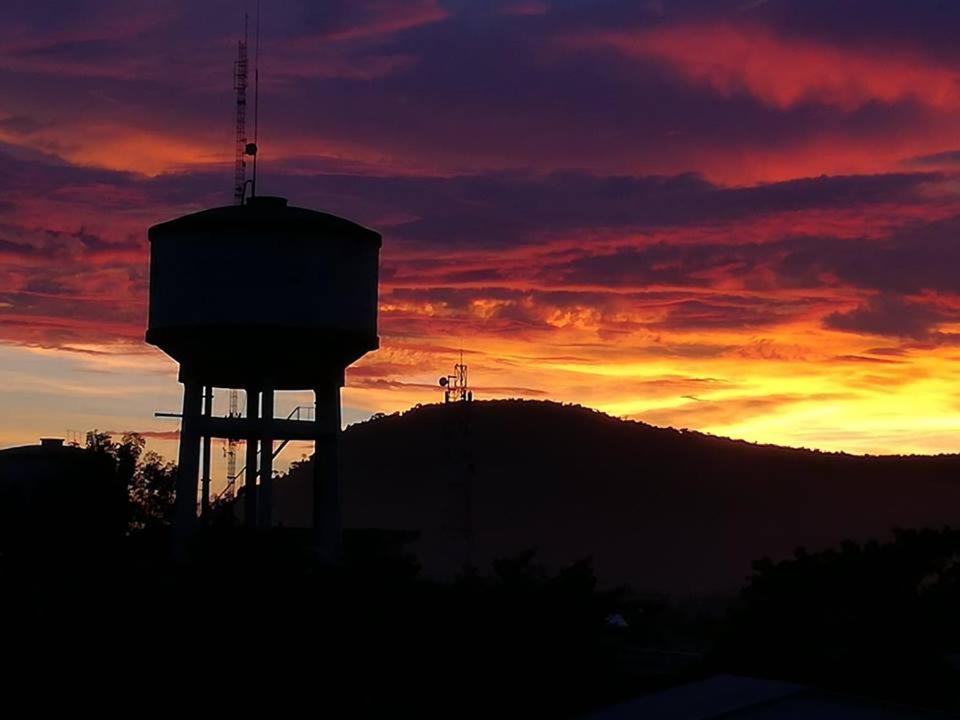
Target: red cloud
x=379, y=17
x=784, y=72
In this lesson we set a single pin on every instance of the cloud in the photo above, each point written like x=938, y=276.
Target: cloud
x=889, y=315
x=785, y=72
x=352, y=20
x=946, y=158
x=909, y=261
x=731, y=410
x=525, y=8
x=150, y=434
x=411, y=95
x=533, y=254
x=387, y=384
x=491, y=210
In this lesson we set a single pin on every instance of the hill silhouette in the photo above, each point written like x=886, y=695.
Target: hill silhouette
x=662, y=509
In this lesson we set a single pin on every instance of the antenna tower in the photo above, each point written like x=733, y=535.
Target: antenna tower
x=251, y=148
x=240, y=148
x=455, y=386
x=459, y=450
x=240, y=71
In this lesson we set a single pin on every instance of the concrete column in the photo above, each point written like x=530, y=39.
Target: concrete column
x=188, y=461
x=250, y=474
x=205, y=474
x=326, y=473
x=265, y=495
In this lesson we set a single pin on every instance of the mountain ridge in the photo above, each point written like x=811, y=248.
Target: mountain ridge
x=663, y=509
x=628, y=420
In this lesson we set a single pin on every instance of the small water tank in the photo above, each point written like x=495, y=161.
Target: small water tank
x=263, y=294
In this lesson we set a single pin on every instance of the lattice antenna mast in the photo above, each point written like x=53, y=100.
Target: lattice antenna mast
x=240, y=74
x=240, y=69
x=252, y=148
x=461, y=371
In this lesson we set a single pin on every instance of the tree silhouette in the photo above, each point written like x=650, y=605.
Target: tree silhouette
x=150, y=481
x=874, y=618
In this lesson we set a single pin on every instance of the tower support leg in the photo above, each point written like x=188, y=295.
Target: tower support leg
x=326, y=473
x=265, y=494
x=205, y=474
x=188, y=462
x=250, y=474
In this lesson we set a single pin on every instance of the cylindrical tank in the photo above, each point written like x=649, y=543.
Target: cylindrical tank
x=263, y=294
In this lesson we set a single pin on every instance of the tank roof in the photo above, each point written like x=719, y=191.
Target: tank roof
x=42, y=450
x=269, y=211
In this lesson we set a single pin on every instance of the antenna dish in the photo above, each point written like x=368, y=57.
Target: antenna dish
x=250, y=149
x=444, y=382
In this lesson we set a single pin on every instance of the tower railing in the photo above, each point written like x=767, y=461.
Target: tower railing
x=304, y=413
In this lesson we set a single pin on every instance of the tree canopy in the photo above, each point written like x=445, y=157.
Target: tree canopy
x=150, y=481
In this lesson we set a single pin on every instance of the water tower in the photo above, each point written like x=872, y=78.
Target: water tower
x=262, y=297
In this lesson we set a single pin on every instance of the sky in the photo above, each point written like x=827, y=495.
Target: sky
x=736, y=216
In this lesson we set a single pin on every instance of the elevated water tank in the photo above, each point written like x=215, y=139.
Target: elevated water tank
x=264, y=297
x=263, y=294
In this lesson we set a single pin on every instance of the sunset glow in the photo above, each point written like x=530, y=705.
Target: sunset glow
x=726, y=216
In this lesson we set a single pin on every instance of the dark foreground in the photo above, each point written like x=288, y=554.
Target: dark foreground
x=253, y=621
